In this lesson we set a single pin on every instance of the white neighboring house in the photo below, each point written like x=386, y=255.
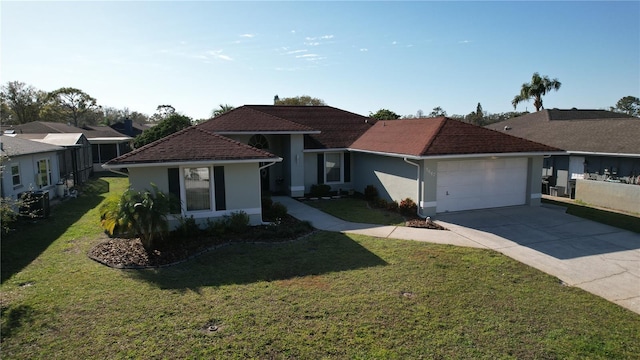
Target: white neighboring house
x=28, y=166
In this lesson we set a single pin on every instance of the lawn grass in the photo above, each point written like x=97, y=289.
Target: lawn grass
x=616, y=219
x=329, y=295
x=356, y=210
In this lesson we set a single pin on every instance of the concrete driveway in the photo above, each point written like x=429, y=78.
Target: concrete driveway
x=600, y=259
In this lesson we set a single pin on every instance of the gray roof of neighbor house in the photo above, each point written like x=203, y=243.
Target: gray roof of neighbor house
x=192, y=144
x=440, y=136
x=48, y=127
x=325, y=127
x=66, y=139
x=12, y=146
x=592, y=131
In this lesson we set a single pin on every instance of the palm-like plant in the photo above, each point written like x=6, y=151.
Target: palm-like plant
x=142, y=213
x=223, y=108
x=539, y=86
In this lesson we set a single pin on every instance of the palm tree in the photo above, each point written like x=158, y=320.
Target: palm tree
x=538, y=87
x=223, y=108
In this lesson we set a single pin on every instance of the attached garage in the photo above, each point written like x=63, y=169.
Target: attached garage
x=478, y=184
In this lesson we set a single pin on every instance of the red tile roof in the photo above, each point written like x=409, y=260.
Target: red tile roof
x=338, y=128
x=192, y=144
x=441, y=136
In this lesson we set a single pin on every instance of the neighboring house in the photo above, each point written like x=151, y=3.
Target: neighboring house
x=600, y=145
x=212, y=175
x=442, y=164
x=106, y=143
x=75, y=160
x=28, y=166
x=129, y=128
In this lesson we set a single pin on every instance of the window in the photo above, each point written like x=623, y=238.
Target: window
x=15, y=175
x=334, y=168
x=332, y=165
x=258, y=141
x=197, y=188
x=44, y=173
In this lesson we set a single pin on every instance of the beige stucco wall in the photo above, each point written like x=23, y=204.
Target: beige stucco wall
x=625, y=197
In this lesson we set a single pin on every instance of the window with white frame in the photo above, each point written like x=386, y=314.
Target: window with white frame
x=333, y=167
x=197, y=187
x=43, y=177
x=15, y=175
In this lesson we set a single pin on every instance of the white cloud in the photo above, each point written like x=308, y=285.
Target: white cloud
x=306, y=56
x=326, y=37
x=217, y=54
x=364, y=49
x=247, y=35
x=394, y=43
x=312, y=43
x=464, y=42
x=296, y=51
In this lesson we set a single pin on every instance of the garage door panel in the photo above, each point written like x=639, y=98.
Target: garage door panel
x=476, y=184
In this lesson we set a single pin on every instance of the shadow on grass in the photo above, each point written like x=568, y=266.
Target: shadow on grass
x=322, y=253
x=14, y=318
x=31, y=237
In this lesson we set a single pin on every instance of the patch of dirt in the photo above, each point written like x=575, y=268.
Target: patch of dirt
x=129, y=253
x=425, y=224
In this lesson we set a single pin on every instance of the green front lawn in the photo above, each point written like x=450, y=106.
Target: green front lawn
x=356, y=210
x=328, y=295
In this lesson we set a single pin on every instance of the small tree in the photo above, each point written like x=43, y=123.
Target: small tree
x=629, y=105
x=538, y=87
x=141, y=213
x=305, y=100
x=166, y=127
x=437, y=111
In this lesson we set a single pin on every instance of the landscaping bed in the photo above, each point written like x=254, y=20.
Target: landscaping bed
x=130, y=253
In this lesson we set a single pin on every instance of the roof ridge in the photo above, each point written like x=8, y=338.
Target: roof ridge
x=435, y=134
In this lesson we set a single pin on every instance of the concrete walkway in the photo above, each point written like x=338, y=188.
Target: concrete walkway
x=600, y=259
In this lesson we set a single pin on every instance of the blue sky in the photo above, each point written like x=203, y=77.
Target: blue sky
x=357, y=56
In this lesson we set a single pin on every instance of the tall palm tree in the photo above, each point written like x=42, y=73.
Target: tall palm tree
x=223, y=108
x=539, y=86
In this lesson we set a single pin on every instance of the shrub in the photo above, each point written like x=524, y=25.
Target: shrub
x=188, y=228
x=8, y=214
x=320, y=190
x=379, y=203
x=277, y=211
x=407, y=207
x=238, y=222
x=216, y=228
x=370, y=193
x=392, y=206
x=142, y=213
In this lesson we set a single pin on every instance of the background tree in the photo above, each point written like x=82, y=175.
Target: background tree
x=222, y=108
x=168, y=126
x=629, y=105
x=305, y=100
x=437, y=111
x=384, y=114
x=476, y=117
x=74, y=105
x=536, y=89
x=24, y=102
x=162, y=112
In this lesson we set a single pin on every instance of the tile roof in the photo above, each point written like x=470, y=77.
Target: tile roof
x=598, y=131
x=338, y=128
x=440, y=136
x=12, y=146
x=192, y=144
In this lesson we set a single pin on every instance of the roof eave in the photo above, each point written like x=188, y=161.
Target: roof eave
x=305, y=132
x=598, y=153
x=187, y=163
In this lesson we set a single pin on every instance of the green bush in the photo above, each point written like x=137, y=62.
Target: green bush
x=188, y=228
x=8, y=214
x=238, y=222
x=408, y=207
x=370, y=193
x=216, y=228
x=277, y=211
x=392, y=206
x=379, y=203
x=320, y=190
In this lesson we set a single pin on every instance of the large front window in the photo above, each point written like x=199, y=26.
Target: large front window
x=197, y=186
x=333, y=167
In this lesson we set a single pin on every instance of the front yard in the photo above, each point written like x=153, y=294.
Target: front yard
x=328, y=295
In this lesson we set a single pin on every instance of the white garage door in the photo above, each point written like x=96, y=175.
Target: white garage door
x=478, y=184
